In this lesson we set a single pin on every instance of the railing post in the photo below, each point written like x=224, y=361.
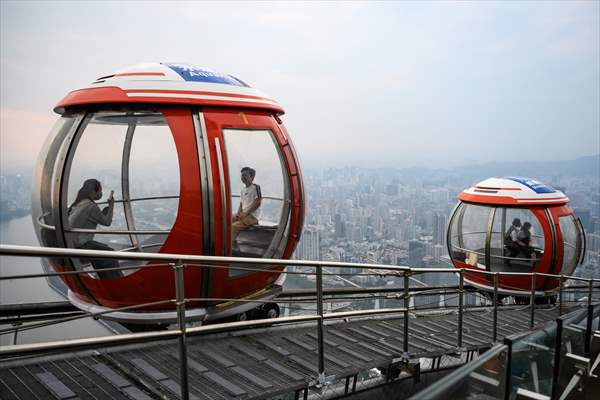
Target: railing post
x=507, y=371
x=16, y=325
x=560, y=295
x=557, y=357
x=461, y=283
x=406, y=305
x=495, y=328
x=321, y=378
x=180, y=302
x=532, y=301
x=590, y=317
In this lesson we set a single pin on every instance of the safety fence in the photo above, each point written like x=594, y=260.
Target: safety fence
x=404, y=295
x=557, y=360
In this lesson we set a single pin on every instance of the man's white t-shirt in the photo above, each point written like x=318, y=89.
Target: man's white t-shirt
x=248, y=195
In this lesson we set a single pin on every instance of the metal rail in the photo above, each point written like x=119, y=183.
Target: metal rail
x=179, y=262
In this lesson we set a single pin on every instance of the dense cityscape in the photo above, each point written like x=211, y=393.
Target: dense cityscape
x=375, y=216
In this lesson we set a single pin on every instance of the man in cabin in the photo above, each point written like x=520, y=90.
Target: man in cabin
x=249, y=209
x=510, y=239
x=524, y=240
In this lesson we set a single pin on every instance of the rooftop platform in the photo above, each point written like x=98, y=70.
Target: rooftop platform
x=257, y=362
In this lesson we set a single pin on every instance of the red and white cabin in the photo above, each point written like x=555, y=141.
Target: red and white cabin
x=514, y=224
x=170, y=140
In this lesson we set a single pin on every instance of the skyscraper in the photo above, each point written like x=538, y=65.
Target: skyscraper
x=309, y=246
x=340, y=227
x=416, y=252
x=439, y=228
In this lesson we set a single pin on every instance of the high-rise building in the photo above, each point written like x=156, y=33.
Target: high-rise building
x=309, y=246
x=340, y=228
x=440, y=221
x=416, y=252
x=439, y=251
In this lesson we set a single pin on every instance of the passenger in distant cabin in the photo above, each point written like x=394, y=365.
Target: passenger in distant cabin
x=524, y=240
x=510, y=238
x=249, y=209
x=84, y=213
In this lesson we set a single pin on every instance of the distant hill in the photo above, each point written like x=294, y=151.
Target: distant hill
x=583, y=166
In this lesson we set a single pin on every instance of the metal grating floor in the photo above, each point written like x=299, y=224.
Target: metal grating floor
x=254, y=364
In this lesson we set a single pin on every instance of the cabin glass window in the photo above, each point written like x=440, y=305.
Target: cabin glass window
x=571, y=243
x=468, y=231
x=97, y=156
x=517, y=240
x=133, y=154
x=43, y=179
x=260, y=206
x=153, y=181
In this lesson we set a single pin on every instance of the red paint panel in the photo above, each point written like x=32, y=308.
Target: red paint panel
x=115, y=95
x=110, y=94
x=504, y=200
x=289, y=155
x=218, y=119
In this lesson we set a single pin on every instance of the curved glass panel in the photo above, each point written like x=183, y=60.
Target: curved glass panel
x=132, y=155
x=468, y=234
x=456, y=249
x=517, y=240
x=259, y=195
x=153, y=180
x=571, y=243
x=43, y=178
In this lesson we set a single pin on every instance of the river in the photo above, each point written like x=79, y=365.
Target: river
x=20, y=231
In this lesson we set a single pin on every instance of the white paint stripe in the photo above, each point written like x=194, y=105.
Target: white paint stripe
x=200, y=97
x=191, y=86
x=543, y=200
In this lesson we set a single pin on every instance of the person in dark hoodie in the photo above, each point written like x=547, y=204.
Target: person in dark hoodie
x=84, y=213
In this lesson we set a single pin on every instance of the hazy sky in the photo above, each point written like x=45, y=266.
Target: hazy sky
x=372, y=84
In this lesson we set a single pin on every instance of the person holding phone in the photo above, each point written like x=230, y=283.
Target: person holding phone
x=84, y=213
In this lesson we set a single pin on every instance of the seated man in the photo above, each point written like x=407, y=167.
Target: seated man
x=510, y=239
x=524, y=240
x=249, y=209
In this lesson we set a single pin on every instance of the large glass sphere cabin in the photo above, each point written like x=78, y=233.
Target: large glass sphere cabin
x=515, y=225
x=168, y=158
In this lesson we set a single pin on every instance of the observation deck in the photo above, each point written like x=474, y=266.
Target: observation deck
x=391, y=352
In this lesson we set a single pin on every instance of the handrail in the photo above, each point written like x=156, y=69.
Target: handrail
x=118, y=231
x=33, y=251
x=104, y=232
x=142, y=199
x=495, y=255
x=178, y=262
x=268, y=198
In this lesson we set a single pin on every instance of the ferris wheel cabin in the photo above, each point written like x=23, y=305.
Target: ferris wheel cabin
x=171, y=141
x=518, y=225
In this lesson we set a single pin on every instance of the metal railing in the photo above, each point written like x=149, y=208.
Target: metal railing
x=548, y=362
x=179, y=262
